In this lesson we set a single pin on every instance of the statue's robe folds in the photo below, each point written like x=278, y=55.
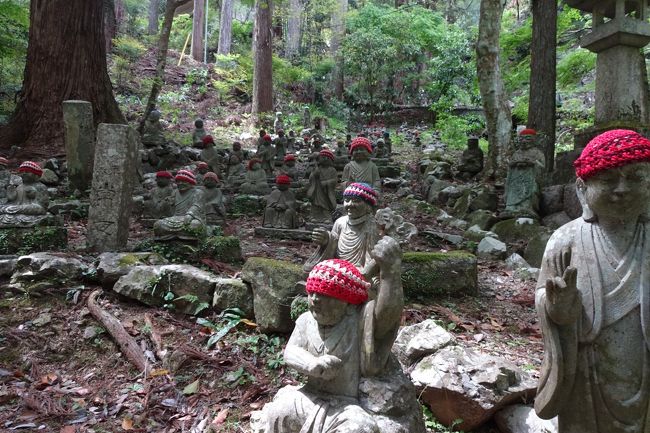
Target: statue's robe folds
x=596, y=371
x=366, y=172
x=21, y=211
x=280, y=210
x=255, y=183
x=214, y=203
x=321, y=193
x=188, y=218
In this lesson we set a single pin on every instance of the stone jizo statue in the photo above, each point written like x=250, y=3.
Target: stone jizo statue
x=381, y=151
x=289, y=167
x=215, y=209
x=152, y=134
x=27, y=203
x=266, y=154
x=525, y=175
x=388, y=142
x=255, y=179
x=280, y=144
x=198, y=134
x=210, y=155
x=471, y=162
x=361, y=169
x=322, y=185
x=161, y=202
x=280, y=212
x=235, y=161
x=202, y=168
x=188, y=220
x=593, y=295
x=278, y=123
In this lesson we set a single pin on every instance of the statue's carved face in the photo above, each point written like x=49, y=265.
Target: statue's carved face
x=619, y=192
x=355, y=207
x=326, y=310
x=209, y=183
x=162, y=182
x=28, y=177
x=360, y=154
x=283, y=186
x=290, y=163
x=324, y=161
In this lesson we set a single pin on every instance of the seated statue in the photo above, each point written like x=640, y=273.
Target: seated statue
x=152, y=134
x=343, y=339
x=525, y=175
x=381, y=151
x=210, y=155
x=27, y=203
x=266, y=154
x=341, y=155
x=388, y=142
x=471, y=162
x=280, y=212
x=592, y=295
x=289, y=167
x=198, y=134
x=361, y=169
x=215, y=209
x=255, y=179
x=188, y=220
x=322, y=186
x=160, y=202
x=235, y=162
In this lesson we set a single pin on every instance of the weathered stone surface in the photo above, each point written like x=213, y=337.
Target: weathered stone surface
x=523, y=419
x=48, y=270
x=458, y=383
x=233, y=293
x=556, y=220
x=527, y=273
x=517, y=229
x=49, y=177
x=79, y=143
x=483, y=198
x=111, y=266
x=435, y=187
x=572, y=205
x=482, y=218
x=8, y=265
x=474, y=233
x=417, y=341
x=191, y=288
x=294, y=234
x=426, y=276
x=274, y=286
x=110, y=198
x=552, y=200
x=491, y=249
x=515, y=261
x=436, y=237
x=69, y=207
x=535, y=248
x=389, y=171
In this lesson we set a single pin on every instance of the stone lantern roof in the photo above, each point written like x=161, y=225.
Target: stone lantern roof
x=612, y=8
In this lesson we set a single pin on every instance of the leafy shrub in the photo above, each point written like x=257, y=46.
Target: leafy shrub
x=574, y=66
x=235, y=73
x=128, y=48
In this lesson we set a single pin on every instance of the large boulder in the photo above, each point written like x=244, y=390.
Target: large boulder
x=552, y=200
x=535, y=248
x=183, y=288
x=233, y=293
x=417, y=341
x=458, y=383
x=112, y=266
x=482, y=218
x=274, y=285
x=38, y=270
x=572, y=205
x=491, y=249
x=516, y=230
x=523, y=419
x=428, y=275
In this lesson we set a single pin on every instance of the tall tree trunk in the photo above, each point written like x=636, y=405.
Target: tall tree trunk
x=338, y=32
x=198, y=28
x=152, y=28
x=66, y=59
x=120, y=12
x=541, y=101
x=110, y=24
x=161, y=58
x=495, y=102
x=225, y=27
x=263, y=57
x=292, y=47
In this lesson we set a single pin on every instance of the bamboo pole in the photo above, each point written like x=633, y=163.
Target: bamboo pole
x=184, y=48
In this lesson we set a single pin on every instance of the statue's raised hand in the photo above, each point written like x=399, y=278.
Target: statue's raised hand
x=387, y=253
x=562, y=297
x=320, y=236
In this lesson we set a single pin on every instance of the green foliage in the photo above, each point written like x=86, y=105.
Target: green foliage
x=14, y=22
x=181, y=27
x=22, y=241
x=573, y=67
x=299, y=305
x=228, y=319
x=455, y=129
x=128, y=47
x=136, y=13
x=432, y=423
x=235, y=72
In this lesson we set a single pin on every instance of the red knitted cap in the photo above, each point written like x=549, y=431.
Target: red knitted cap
x=211, y=175
x=327, y=153
x=338, y=279
x=185, y=176
x=267, y=137
x=528, y=131
x=361, y=142
x=208, y=139
x=283, y=179
x=202, y=164
x=30, y=167
x=253, y=162
x=612, y=149
x=164, y=174
x=289, y=157
x=363, y=191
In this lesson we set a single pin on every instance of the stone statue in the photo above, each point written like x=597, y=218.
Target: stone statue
x=27, y=203
x=202, y=168
x=261, y=139
x=278, y=123
x=255, y=179
x=5, y=178
x=210, y=155
x=353, y=235
x=289, y=167
x=306, y=117
x=266, y=154
x=388, y=142
x=280, y=144
x=322, y=186
x=215, y=209
x=343, y=340
x=160, y=204
x=471, y=162
x=341, y=155
x=235, y=161
x=280, y=212
x=593, y=295
x=381, y=151
x=188, y=220
x=291, y=142
x=152, y=134
x=393, y=225
x=361, y=169
x=525, y=174
x=198, y=134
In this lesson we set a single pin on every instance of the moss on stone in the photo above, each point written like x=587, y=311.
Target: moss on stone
x=263, y=262
x=222, y=248
x=31, y=240
x=129, y=260
x=425, y=257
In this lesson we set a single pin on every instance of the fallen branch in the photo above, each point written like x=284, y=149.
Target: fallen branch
x=154, y=336
x=126, y=343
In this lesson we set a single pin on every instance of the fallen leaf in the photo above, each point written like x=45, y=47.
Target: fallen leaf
x=159, y=372
x=68, y=429
x=248, y=322
x=127, y=423
x=192, y=388
x=221, y=417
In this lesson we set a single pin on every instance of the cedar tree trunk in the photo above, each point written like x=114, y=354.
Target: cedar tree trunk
x=293, y=29
x=198, y=30
x=541, y=102
x=66, y=59
x=152, y=28
x=338, y=32
x=225, y=27
x=263, y=57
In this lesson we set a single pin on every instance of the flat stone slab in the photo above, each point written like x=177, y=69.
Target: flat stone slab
x=293, y=234
x=311, y=226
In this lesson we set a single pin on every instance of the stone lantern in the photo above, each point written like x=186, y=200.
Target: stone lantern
x=620, y=30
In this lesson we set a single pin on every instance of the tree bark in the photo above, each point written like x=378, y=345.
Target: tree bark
x=541, y=101
x=292, y=47
x=338, y=32
x=66, y=59
x=110, y=24
x=198, y=30
x=152, y=28
x=263, y=57
x=495, y=102
x=225, y=27
x=161, y=59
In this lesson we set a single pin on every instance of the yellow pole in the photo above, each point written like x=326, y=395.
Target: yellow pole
x=184, y=47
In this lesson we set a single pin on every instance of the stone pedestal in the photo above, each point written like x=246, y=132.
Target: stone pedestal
x=110, y=198
x=79, y=143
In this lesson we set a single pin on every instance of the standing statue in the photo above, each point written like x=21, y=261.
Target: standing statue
x=525, y=175
x=291, y=142
x=322, y=186
x=213, y=201
x=278, y=123
x=471, y=162
x=266, y=153
x=188, y=220
x=361, y=169
x=202, y=168
x=289, y=167
x=255, y=179
x=160, y=203
x=381, y=151
x=210, y=155
x=235, y=161
x=280, y=144
x=198, y=134
x=593, y=295
x=152, y=134
x=280, y=212
x=306, y=117
x=388, y=142
x=27, y=203
x=343, y=339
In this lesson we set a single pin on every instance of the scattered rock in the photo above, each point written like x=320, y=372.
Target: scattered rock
x=534, y=251
x=416, y=341
x=517, y=229
x=48, y=269
x=527, y=273
x=491, y=249
x=233, y=293
x=49, y=177
x=482, y=218
x=572, y=205
x=474, y=233
x=447, y=237
x=7, y=265
x=523, y=419
x=111, y=266
x=426, y=276
x=552, y=200
x=515, y=261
